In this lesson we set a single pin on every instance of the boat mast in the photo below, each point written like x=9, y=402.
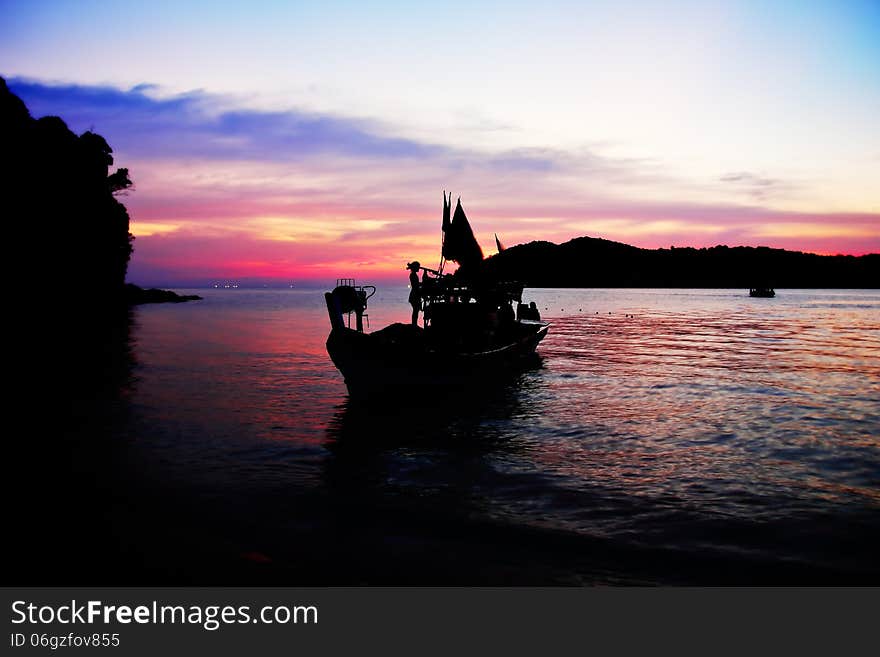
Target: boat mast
x=446, y=224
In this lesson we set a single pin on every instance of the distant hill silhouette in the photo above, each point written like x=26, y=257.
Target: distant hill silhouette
x=592, y=262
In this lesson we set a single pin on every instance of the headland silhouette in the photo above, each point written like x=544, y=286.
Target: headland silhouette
x=61, y=199
x=593, y=262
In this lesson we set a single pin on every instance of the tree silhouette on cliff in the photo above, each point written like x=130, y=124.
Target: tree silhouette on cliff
x=69, y=232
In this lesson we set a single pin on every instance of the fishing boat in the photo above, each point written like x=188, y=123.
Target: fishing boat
x=767, y=292
x=474, y=330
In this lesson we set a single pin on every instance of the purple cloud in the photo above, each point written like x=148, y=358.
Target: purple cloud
x=186, y=125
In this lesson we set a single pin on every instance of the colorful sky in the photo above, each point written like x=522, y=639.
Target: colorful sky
x=295, y=141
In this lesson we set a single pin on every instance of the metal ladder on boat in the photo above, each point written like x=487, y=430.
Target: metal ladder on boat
x=362, y=292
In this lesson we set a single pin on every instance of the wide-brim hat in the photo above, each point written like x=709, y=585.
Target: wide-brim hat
x=413, y=265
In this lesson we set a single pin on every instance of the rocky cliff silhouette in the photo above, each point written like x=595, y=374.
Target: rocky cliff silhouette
x=71, y=358
x=59, y=200
x=71, y=240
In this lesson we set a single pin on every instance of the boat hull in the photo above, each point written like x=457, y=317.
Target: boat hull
x=372, y=366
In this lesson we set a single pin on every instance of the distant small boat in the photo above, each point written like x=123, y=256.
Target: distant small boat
x=767, y=292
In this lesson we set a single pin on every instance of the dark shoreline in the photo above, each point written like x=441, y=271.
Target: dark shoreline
x=135, y=295
x=694, y=287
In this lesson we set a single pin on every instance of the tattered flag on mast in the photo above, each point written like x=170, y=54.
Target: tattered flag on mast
x=446, y=225
x=459, y=243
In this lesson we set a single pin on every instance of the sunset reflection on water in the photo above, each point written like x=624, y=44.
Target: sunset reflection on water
x=697, y=419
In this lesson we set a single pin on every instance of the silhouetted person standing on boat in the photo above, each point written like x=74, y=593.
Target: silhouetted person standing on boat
x=415, y=299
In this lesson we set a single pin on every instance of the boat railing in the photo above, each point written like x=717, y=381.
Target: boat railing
x=446, y=288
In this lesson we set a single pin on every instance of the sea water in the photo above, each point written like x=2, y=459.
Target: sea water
x=667, y=436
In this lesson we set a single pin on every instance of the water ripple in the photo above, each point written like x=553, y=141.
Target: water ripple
x=689, y=420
